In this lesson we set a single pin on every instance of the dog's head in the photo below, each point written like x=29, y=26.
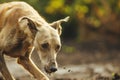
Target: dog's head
x=46, y=40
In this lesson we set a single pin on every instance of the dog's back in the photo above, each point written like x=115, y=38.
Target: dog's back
x=12, y=11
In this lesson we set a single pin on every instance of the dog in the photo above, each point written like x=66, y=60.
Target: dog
x=23, y=30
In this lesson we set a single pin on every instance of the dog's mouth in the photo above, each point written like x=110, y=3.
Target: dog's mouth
x=50, y=69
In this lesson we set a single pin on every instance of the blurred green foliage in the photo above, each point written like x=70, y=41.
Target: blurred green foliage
x=68, y=49
x=85, y=14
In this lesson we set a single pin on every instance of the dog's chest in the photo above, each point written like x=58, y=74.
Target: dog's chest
x=19, y=49
x=14, y=43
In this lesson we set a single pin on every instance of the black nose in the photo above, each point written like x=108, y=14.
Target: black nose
x=53, y=69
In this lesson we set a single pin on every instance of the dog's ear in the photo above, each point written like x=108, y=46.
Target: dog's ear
x=57, y=24
x=25, y=21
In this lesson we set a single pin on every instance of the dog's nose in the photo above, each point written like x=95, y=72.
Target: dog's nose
x=53, y=69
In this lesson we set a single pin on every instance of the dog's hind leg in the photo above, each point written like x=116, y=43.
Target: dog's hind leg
x=3, y=68
x=28, y=64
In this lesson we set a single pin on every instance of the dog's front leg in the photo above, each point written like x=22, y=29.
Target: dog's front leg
x=28, y=64
x=3, y=68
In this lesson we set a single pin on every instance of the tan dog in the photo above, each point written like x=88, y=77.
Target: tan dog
x=22, y=30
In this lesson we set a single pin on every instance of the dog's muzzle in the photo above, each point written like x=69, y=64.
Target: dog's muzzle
x=51, y=68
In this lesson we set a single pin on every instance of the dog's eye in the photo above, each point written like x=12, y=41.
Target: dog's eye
x=45, y=45
x=57, y=48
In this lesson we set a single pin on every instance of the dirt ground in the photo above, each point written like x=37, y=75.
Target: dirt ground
x=79, y=64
